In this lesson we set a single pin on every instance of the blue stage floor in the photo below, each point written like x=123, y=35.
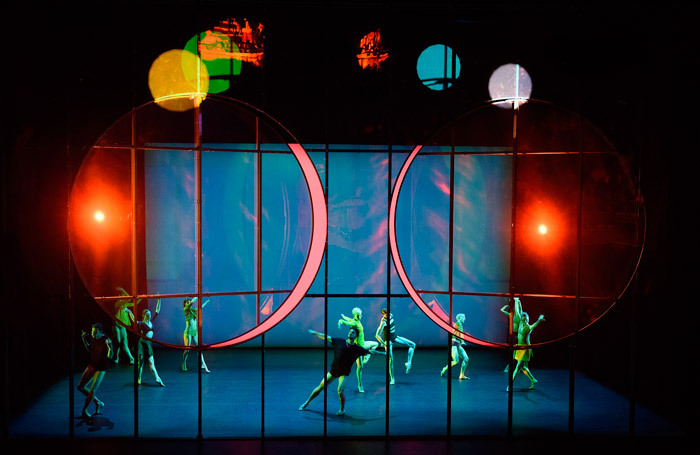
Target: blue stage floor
x=232, y=397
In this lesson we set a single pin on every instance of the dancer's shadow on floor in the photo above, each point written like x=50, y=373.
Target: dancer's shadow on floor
x=347, y=418
x=94, y=423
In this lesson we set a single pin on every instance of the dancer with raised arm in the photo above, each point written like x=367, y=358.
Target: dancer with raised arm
x=145, y=347
x=346, y=353
x=386, y=335
x=517, y=312
x=190, y=335
x=457, y=350
x=524, y=355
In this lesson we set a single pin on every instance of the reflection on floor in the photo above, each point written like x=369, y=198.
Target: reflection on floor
x=232, y=393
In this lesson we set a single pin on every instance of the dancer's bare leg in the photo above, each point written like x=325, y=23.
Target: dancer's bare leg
x=518, y=367
x=341, y=395
x=528, y=373
x=327, y=380
x=96, y=378
x=389, y=349
x=359, y=364
x=152, y=367
x=411, y=349
x=185, y=353
x=465, y=362
x=453, y=362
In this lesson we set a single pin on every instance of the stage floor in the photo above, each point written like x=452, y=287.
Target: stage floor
x=232, y=395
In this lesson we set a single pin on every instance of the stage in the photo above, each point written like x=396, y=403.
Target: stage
x=417, y=403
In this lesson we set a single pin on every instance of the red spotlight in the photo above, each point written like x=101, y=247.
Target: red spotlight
x=542, y=229
x=99, y=216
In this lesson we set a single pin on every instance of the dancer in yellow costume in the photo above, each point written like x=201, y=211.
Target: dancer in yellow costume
x=523, y=356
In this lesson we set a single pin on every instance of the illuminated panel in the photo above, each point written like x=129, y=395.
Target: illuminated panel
x=437, y=317
x=178, y=80
x=314, y=258
x=438, y=67
x=510, y=86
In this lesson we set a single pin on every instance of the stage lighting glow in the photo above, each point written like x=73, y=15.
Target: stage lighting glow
x=510, y=86
x=542, y=229
x=438, y=67
x=178, y=80
x=99, y=216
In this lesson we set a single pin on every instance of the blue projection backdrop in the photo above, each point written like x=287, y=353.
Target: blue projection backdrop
x=357, y=241
x=466, y=236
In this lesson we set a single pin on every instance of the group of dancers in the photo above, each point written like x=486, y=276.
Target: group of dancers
x=102, y=352
x=355, y=349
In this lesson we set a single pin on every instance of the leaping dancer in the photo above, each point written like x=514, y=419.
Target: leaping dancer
x=386, y=335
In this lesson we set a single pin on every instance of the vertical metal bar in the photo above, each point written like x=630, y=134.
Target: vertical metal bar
x=325, y=304
x=71, y=307
x=258, y=278
x=134, y=271
x=511, y=284
x=198, y=252
x=449, y=276
x=388, y=291
x=633, y=317
x=579, y=227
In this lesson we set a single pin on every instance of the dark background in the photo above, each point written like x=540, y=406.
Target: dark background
x=628, y=70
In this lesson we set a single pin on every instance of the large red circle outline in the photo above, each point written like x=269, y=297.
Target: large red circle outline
x=403, y=276
x=319, y=228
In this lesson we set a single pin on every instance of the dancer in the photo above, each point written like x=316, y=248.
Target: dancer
x=99, y=345
x=386, y=335
x=354, y=321
x=523, y=356
x=458, y=351
x=123, y=318
x=145, y=348
x=517, y=312
x=190, y=334
x=346, y=352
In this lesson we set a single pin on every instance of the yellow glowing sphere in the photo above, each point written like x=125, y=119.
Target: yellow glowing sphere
x=178, y=80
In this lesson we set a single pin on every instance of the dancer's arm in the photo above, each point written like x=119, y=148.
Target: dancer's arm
x=537, y=322
x=132, y=318
x=84, y=338
x=345, y=321
x=122, y=291
x=518, y=308
x=320, y=335
x=506, y=310
x=108, y=342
